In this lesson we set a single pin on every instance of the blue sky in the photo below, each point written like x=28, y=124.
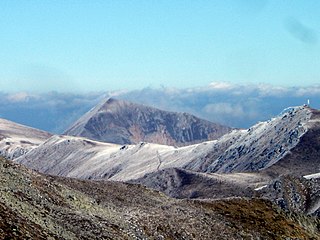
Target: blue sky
x=79, y=46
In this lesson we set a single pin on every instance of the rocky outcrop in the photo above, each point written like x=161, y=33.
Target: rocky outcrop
x=294, y=194
x=121, y=122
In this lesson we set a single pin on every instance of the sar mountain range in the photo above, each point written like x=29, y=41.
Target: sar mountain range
x=181, y=155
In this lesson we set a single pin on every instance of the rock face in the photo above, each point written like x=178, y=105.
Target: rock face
x=36, y=206
x=121, y=122
x=17, y=139
x=294, y=194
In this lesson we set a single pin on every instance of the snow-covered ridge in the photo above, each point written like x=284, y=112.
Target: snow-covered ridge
x=17, y=139
x=265, y=143
x=254, y=149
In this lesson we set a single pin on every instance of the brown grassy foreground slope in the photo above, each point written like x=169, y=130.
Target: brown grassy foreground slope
x=36, y=206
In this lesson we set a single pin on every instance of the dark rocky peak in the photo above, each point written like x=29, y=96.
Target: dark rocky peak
x=122, y=122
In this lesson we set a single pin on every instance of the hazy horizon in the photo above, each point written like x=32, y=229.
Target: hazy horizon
x=234, y=105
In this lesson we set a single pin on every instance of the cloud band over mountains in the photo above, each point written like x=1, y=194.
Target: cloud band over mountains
x=231, y=104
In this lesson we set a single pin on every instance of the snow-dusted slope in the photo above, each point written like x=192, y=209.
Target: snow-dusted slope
x=84, y=158
x=16, y=139
x=262, y=145
x=255, y=149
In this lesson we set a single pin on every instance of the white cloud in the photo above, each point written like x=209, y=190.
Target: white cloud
x=117, y=93
x=307, y=91
x=225, y=108
x=271, y=90
x=231, y=104
x=21, y=97
x=221, y=86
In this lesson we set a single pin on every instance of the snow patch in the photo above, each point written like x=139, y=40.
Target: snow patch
x=312, y=176
x=260, y=188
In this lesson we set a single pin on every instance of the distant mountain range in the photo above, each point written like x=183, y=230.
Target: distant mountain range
x=123, y=122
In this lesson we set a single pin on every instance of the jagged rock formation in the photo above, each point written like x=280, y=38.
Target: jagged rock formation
x=17, y=139
x=294, y=194
x=36, y=206
x=122, y=122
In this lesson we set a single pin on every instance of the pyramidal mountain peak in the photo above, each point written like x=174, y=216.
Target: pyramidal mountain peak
x=123, y=122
